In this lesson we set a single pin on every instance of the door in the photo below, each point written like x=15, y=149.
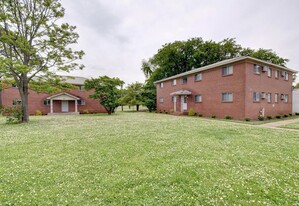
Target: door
x=64, y=106
x=183, y=103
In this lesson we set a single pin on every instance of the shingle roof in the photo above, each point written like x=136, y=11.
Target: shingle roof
x=74, y=80
x=225, y=62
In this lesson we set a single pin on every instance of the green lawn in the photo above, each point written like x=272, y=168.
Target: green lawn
x=146, y=159
x=292, y=126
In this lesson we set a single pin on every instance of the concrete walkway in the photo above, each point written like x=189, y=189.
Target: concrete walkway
x=277, y=125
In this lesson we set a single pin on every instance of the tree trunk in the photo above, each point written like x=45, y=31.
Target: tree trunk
x=137, y=107
x=122, y=108
x=23, y=90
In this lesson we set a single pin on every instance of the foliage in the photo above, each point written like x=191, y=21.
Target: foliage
x=149, y=96
x=297, y=86
x=285, y=115
x=85, y=111
x=107, y=90
x=38, y=113
x=261, y=118
x=191, y=112
x=13, y=114
x=269, y=117
x=146, y=159
x=228, y=117
x=35, y=42
x=278, y=116
x=200, y=115
x=247, y=119
x=133, y=95
x=171, y=111
x=296, y=113
x=213, y=116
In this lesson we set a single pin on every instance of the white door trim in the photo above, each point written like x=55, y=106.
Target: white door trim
x=64, y=106
x=184, y=105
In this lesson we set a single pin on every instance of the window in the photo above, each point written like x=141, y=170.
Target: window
x=81, y=102
x=198, y=98
x=184, y=80
x=276, y=74
x=173, y=99
x=269, y=97
x=276, y=98
x=227, y=97
x=81, y=87
x=197, y=77
x=14, y=86
x=161, y=85
x=256, y=96
x=227, y=70
x=286, y=98
x=269, y=72
x=47, y=102
x=174, y=82
x=161, y=99
x=16, y=102
x=286, y=77
x=256, y=69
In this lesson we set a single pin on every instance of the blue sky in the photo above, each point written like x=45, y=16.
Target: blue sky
x=117, y=34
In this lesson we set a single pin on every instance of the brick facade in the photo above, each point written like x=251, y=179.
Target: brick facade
x=241, y=84
x=36, y=101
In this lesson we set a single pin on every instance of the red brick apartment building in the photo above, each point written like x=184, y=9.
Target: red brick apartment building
x=73, y=101
x=242, y=87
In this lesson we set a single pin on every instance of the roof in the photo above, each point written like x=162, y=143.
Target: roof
x=181, y=92
x=223, y=63
x=63, y=93
x=74, y=80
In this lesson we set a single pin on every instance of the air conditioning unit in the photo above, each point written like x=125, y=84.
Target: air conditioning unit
x=265, y=68
x=282, y=97
x=263, y=95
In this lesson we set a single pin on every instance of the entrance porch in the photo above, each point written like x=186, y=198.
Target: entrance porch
x=63, y=103
x=180, y=101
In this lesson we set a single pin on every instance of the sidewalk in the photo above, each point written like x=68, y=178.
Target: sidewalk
x=279, y=123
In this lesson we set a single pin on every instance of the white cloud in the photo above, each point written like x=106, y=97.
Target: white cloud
x=116, y=35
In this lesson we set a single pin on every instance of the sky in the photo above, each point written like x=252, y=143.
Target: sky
x=116, y=35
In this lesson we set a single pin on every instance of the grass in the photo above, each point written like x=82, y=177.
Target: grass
x=292, y=126
x=146, y=159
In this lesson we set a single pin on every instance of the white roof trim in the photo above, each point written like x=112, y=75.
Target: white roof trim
x=222, y=63
x=181, y=92
x=63, y=93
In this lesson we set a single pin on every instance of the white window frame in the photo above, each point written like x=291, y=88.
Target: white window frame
x=256, y=69
x=174, y=82
x=183, y=80
x=256, y=96
x=198, y=77
x=198, y=98
x=227, y=97
x=81, y=102
x=276, y=98
x=161, y=100
x=228, y=70
x=286, y=98
x=269, y=72
x=276, y=74
x=286, y=77
x=161, y=84
x=269, y=97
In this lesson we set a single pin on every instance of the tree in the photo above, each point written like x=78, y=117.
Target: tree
x=297, y=85
x=107, y=90
x=32, y=43
x=133, y=95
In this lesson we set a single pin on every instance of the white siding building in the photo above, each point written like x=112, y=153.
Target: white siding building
x=295, y=100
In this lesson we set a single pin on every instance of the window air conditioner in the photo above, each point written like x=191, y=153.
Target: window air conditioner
x=282, y=97
x=265, y=68
x=263, y=95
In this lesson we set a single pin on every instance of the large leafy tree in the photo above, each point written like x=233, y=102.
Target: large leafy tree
x=133, y=95
x=33, y=43
x=181, y=56
x=107, y=90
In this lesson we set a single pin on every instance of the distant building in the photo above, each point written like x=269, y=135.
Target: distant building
x=242, y=87
x=296, y=100
x=72, y=101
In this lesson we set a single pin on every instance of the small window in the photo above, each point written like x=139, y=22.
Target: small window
x=16, y=102
x=286, y=77
x=269, y=97
x=197, y=77
x=276, y=74
x=161, y=100
x=174, y=82
x=227, y=70
x=286, y=98
x=256, y=69
x=81, y=102
x=198, y=98
x=256, y=96
x=46, y=102
x=173, y=99
x=184, y=80
x=227, y=97
x=81, y=87
x=269, y=72
x=276, y=98
x=161, y=85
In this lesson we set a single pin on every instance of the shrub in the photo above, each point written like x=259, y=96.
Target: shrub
x=213, y=116
x=200, y=115
x=171, y=111
x=13, y=114
x=191, y=112
x=269, y=117
x=290, y=114
x=297, y=113
x=261, y=118
x=247, y=119
x=285, y=115
x=228, y=117
x=38, y=113
x=85, y=111
x=278, y=116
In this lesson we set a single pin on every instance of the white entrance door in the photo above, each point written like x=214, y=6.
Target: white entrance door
x=65, y=106
x=183, y=103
